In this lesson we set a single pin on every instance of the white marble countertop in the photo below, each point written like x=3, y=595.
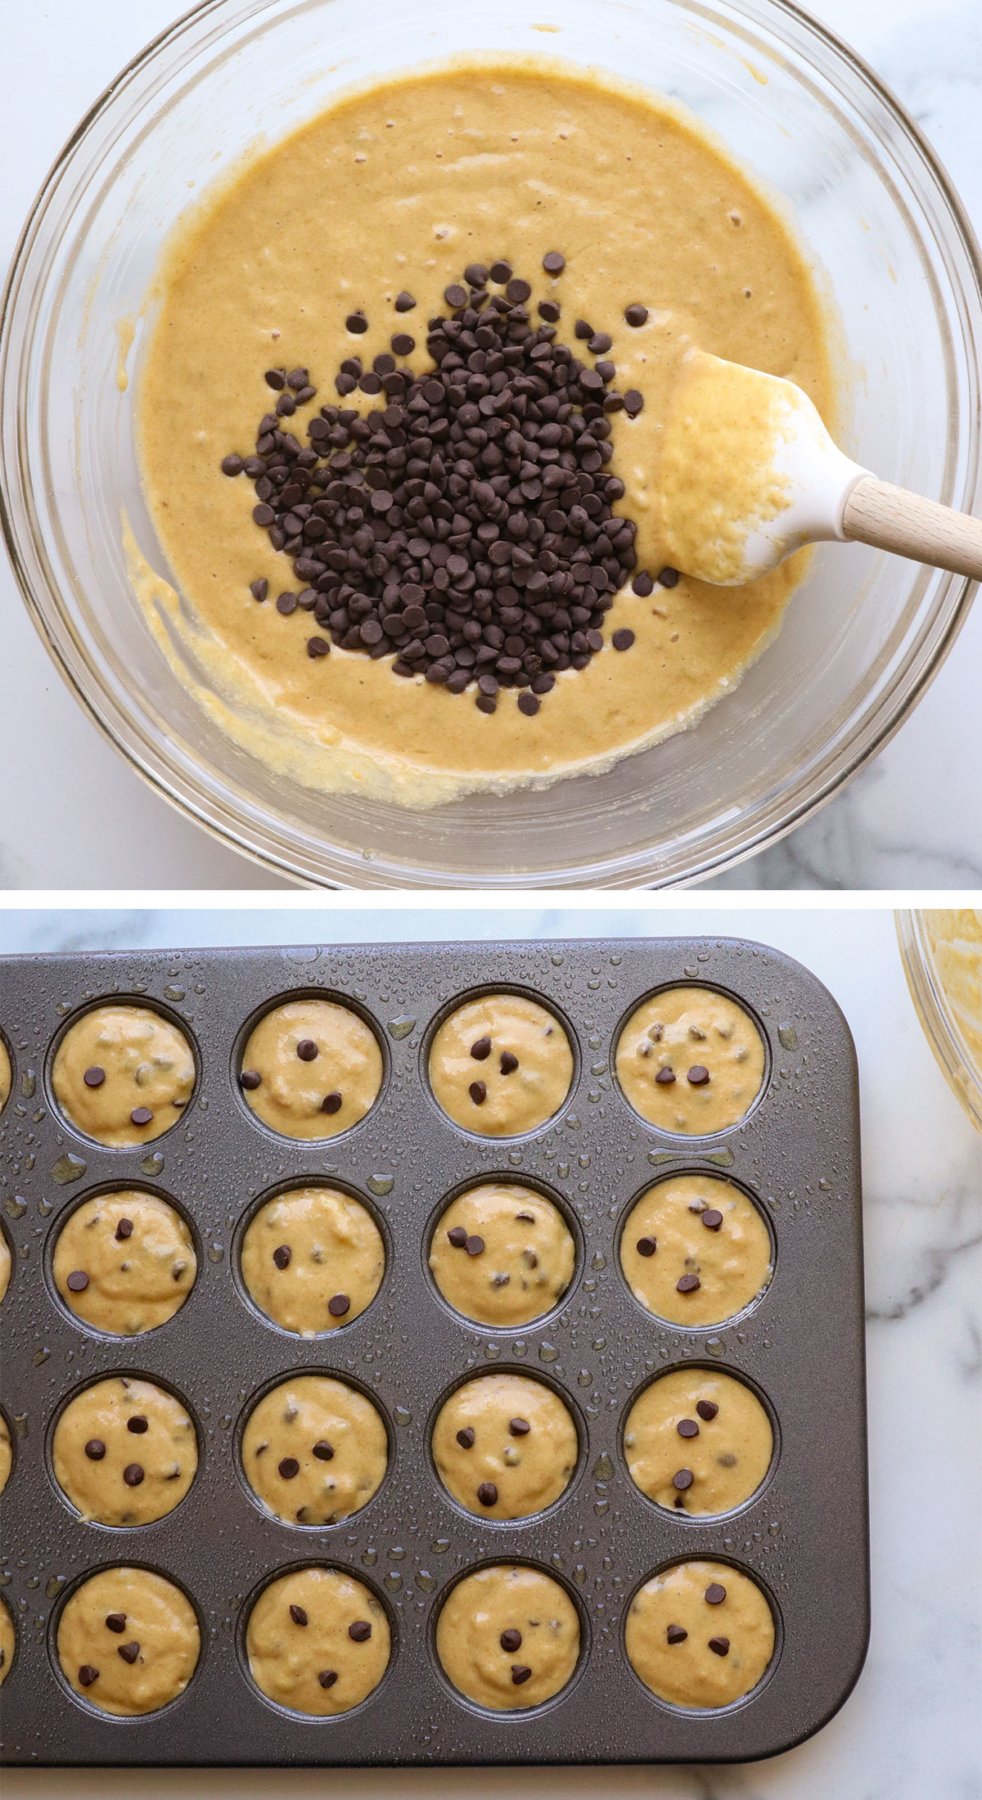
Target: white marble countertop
x=900, y=824
x=910, y=1730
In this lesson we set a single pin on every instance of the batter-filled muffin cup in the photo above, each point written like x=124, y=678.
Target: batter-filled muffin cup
x=8, y=1641
x=508, y=1637
x=312, y=1259
x=6, y=1074
x=123, y=1074
x=501, y=1065
x=318, y=1641
x=502, y=1254
x=700, y=1634
x=124, y=1451
x=697, y=1441
x=690, y=1061
x=695, y=1250
x=311, y=1069
x=124, y=1262
x=6, y=1453
x=128, y=1641
x=505, y=1446
x=314, y=1450
x=5, y=1264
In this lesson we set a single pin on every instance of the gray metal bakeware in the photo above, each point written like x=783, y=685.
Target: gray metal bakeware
x=803, y=1537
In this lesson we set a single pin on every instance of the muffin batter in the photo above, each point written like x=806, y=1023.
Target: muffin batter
x=695, y=1250
x=124, y=1262
x=313, y=1259
x=700, y=1634
x=318, y=1641
x=8, y=1641
x=691, y=1061
x=128, y=1641
x=4, y=1265
x=502, y=1254
x=504, y=1446
x=314, y=1450
x=397, y=187
x=123, y=1074
x=5, y=1074
x=318, y=1065
x=698, y=1441
x=6, y=1453
x=124, y=1451
x=508, y=1637
x=500, y=1065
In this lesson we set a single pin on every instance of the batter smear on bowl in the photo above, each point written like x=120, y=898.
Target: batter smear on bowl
x=401, y=420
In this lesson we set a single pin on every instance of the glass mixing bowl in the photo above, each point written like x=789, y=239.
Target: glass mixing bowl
x=862, y=637
x=941, y=950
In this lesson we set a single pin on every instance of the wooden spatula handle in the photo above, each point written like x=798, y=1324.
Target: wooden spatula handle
x=893, y=519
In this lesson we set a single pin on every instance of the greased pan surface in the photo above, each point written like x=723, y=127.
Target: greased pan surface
x=803, y=1537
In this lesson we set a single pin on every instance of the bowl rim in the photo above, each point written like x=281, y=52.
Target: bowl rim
x=185, y=793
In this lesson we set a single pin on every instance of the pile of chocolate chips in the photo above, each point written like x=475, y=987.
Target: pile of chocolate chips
x=464, y=526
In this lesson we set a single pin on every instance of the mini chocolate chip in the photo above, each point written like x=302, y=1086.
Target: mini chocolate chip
x=623, y=639
x=508, y=1063
x=289, y=1467
x=687, y=1284
x=360, y=1631
x=232, y=464
x=646, y=1246
x=643, y=584
x=141, y=1115
x=323, y=1451
x=327, y=1677
x=77, y=1281
x=116, y=1622
x=676, y=1634
x=259, y=589
x=682, y=1479
x=519, y=1427
x=478, y=1092
x=665, y=1077
x=520, y=1672
x=481, y=1050
x=332, y=1103
x=633, y=403
x=687, y=1428
x=712, y=1219
x=87, y=1675
x=95, y=1449
x=487, y=1493
x=298, y=1615
x=474, y=1245
x=511, y=1639
x=133, y=1474
x=338, y=1305
x=124, y=1230
x=698, y=1075
x=138, y=1424
x=404, y=302
x=636, y=314
x=466, y=1436
x=457, y=1236
x=357, y=323
x=94, y=1077
x=282, y=1256
x=129, y=1652
x=455, y=296
x=403, y=344
x=518, y=291
x=250, y=1078
x=715, y=1594
x=707, y=1409
x=720, y=1646
x=554, y=262
x=669, y=578
x=307, y=1050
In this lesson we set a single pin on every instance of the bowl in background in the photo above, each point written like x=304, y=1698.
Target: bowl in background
x=941, y=950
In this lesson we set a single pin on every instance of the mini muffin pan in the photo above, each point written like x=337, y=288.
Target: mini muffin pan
x=802, y=1536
